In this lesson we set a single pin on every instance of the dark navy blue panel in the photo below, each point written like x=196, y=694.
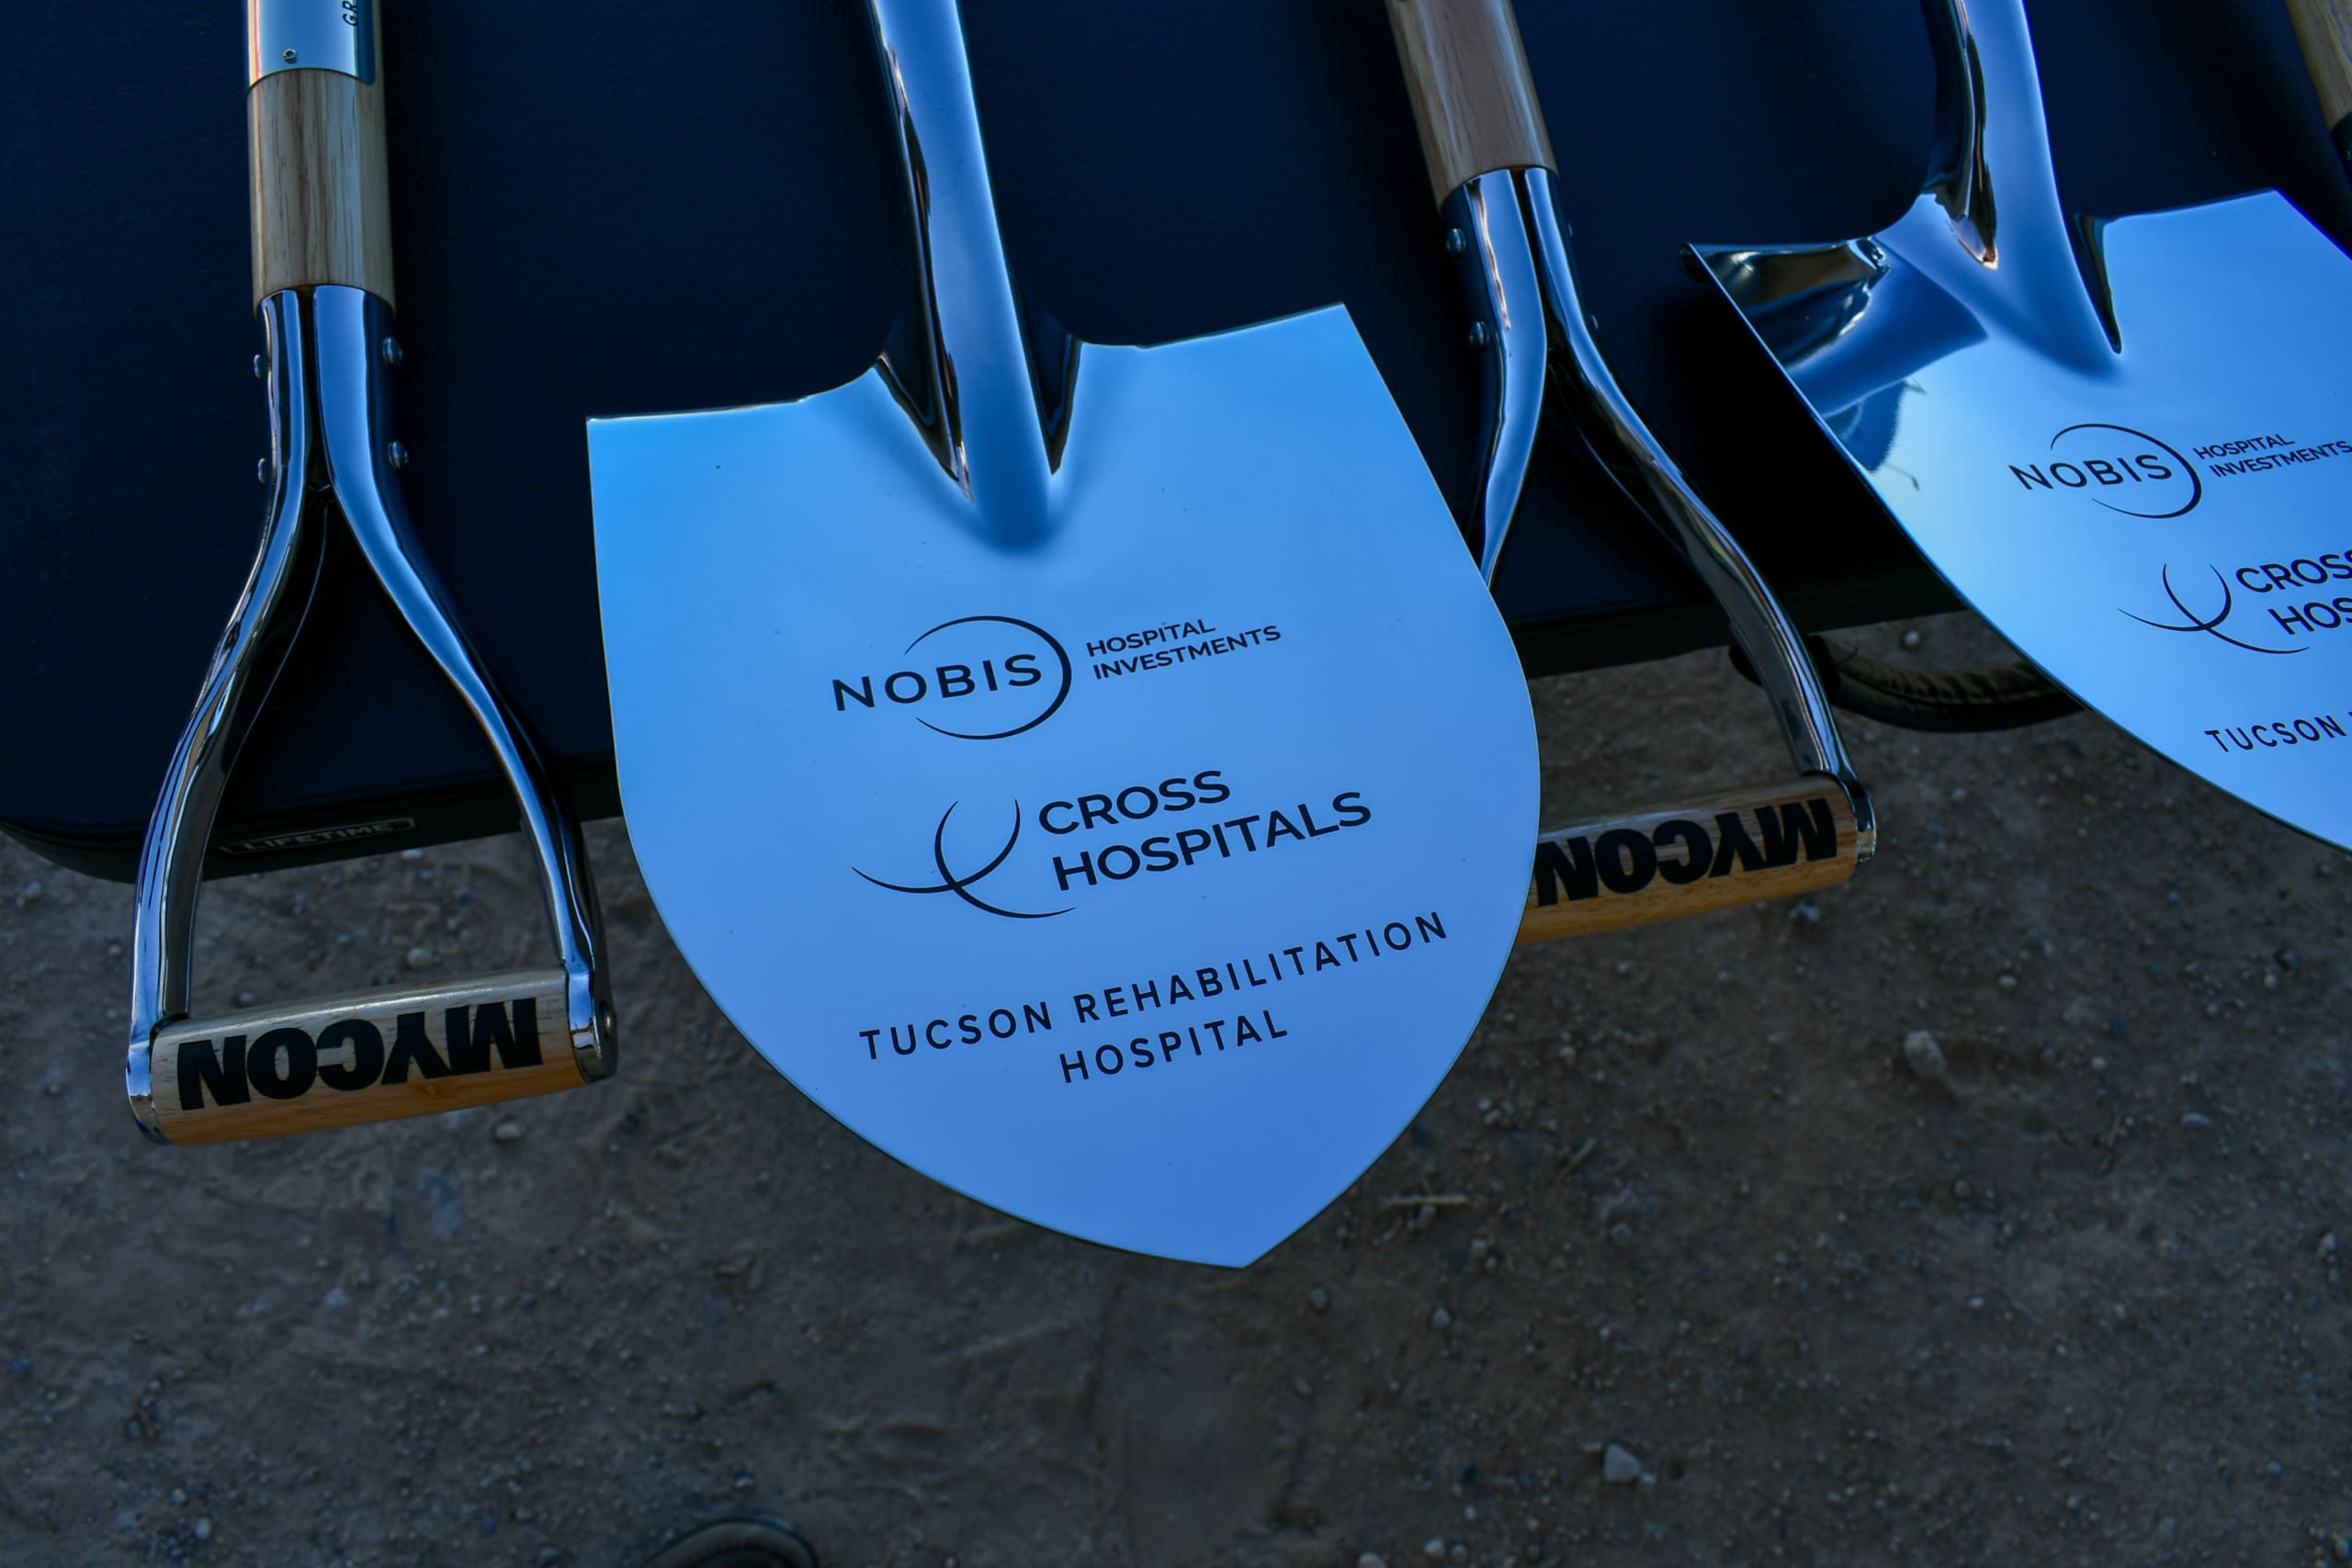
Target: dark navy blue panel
x=605, y=208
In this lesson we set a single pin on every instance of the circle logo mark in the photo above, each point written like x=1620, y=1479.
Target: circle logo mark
x=973, y=678
x=962, y=885
x=2210, y=625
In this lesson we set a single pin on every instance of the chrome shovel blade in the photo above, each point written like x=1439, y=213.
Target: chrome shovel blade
x=1130, y=841
x=2142, y=484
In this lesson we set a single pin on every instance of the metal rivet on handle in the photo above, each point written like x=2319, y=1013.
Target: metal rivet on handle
x=392, y=355
x=289, y=57
x=261, y=371
x=1455, y=241
x=261, y=471
x=1478, y=334
x=398, y=455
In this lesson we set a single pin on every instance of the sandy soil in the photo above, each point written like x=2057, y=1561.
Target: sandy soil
x=2079, y=1300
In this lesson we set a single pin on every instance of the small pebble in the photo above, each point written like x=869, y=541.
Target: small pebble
x=1805, y=912
x=29, y=893
x=508, y=1132
x=2007, y=982
x=1433, y=1547
x=203, y=1530
x=1440, y=1319
x=2192, y=1120
x=1619, y=1467
x=1319, y=1299
x=1302, y=1388
x=2288, y=959
x=419, y=958
x=1371, y=1559
x=1924, y=1057
x=246, y=999
x=178, y=1497
x=1912, y=640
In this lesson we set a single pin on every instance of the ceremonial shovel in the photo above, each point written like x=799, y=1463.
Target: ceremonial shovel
x=1491, y=162
x=322, y=286
x=1097, y=775
x=2145, y=488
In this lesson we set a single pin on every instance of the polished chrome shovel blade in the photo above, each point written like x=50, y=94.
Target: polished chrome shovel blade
x=1106, y=788
x=2128, y=443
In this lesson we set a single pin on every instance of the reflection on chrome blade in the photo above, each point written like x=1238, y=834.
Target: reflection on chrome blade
x=2084, y=430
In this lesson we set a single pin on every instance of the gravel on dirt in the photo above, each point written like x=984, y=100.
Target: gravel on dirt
x=2023, y=1312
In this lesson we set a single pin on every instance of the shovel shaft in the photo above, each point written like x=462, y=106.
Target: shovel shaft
x=322, y=283
x=1715, y=852
x=2323, y=28
x=1467, y=73
x=322, y=205
x=367, y=1056
x=1491, y=159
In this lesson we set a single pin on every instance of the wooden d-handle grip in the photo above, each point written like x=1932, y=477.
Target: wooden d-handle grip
x=1715, y=852
x=1472, y=94
x=314, y=134
x=367, y=1057
x=2323, y=28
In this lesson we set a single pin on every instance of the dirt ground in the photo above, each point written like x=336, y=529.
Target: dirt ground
x=2080, y=1299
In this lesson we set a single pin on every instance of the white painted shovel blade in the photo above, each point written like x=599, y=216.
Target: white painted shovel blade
x=1142, y=881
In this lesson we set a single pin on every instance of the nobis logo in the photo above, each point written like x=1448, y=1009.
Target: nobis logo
x=351, y=1055
x=2123, y=469
x=975, y=678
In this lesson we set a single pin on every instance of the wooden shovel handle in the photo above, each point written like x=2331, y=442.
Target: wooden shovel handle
x=1472, y=94
x=322, y=204
x=2325, y=30
x=365, y=1056
x=1715, y=852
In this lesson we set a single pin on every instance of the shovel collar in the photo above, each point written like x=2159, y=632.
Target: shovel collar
x=1989, y=229
x=961, y=364
x=309, y=34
